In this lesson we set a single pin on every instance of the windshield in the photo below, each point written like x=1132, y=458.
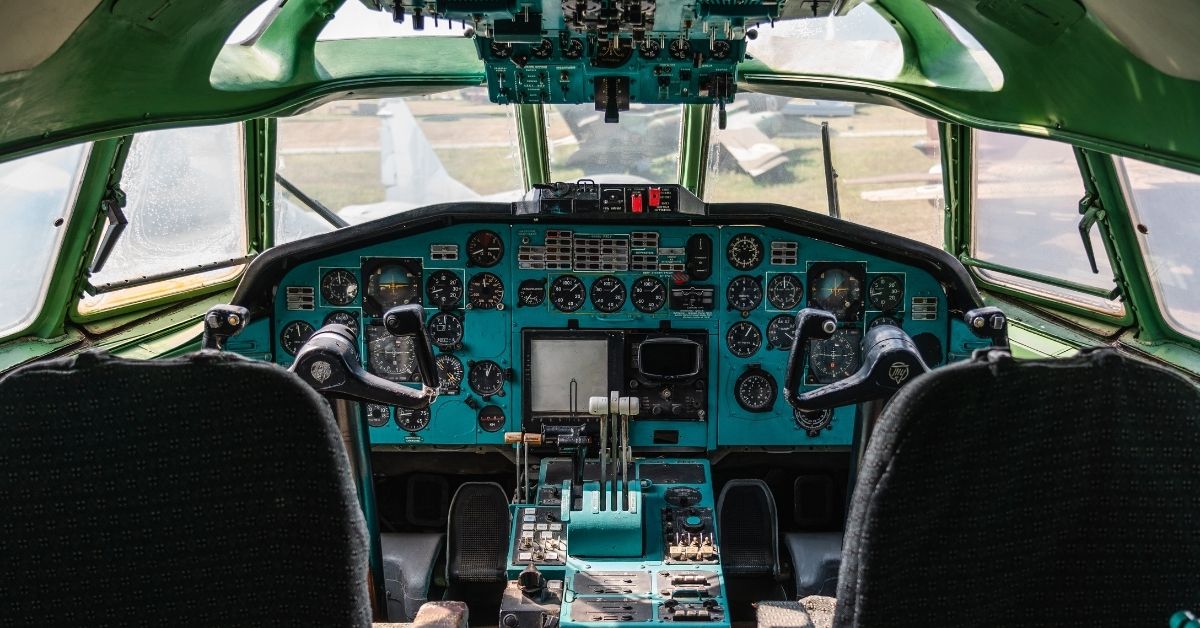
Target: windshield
x=1163, y=202
x=642, y=148
x=364, y=159
x=36, y=193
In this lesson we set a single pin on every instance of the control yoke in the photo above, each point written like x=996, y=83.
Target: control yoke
x=890, y=360
x=329, y=363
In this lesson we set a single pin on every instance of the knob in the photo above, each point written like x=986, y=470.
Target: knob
x=693, y=523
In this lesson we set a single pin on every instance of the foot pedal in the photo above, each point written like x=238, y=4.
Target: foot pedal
x=477, y=539
x=748, y=528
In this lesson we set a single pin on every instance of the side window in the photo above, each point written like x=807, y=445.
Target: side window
x=887, y=161
x=366, y=159
x=1026, y=217
x=186, y=207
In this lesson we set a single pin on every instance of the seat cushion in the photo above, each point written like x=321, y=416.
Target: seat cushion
x=408, y=561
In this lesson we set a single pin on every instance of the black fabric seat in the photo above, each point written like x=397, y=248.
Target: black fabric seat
x=208, y=490
x=749, y=529
x=1050, y=492
x=477, y=547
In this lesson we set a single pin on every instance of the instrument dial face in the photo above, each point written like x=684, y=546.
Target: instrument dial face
x=531, y=293
x=649, y=48
x=813, y=422
x=486, y=378
x=835, y=358
x=501, y=50
x=886, y=292
x=649, y=294
x=412, y=420
x=567, y=293
x=485, y=291
x=339, y=287
x=785, y=291
x=608, y=294
x=294, y=335
x=883, y=320
x=491, y=418
x=744, y=251
x=743, y=339
x=390, y=357
x=543, y=50
x=444, y=289
x=680, y=49
x=720, y=49
x=755, y=390
x=446, y=330
x=484, y=248
x=390, y=285
x=342, y=317
x=573, y=49
x=744, y=293
x=378, y=414
x=450, y=374
x=781, y=332
x=837, y=291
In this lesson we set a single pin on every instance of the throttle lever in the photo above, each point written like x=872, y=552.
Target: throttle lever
x=811, y=324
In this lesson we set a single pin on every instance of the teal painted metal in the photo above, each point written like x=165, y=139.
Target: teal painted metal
x=597, y=530
x=365, y=483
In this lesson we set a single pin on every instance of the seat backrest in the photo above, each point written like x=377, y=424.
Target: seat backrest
x=202, y=490
x=1046, y=492
x=477, y=539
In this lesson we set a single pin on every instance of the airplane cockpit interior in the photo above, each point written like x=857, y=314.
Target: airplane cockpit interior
x=587, y=313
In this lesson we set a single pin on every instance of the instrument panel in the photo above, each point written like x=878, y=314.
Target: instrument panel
x=732, y=289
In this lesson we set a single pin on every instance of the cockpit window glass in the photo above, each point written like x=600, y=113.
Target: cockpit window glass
x=36, y=195
x=355, y=21
x=185, y=191
x=365, y=159
x=861, y=44
x=887, y=161
x=642, y=148
x=1164, y=203
x=1026, y=217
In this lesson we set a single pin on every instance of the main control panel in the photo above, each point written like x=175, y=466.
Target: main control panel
x=532, y=314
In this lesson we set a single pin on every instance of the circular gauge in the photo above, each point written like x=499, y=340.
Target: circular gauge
x=294, y=335
x=885, y=292
x=485, y=291
x=412, y=420
x=812, y=422
x=649, y=48
x=608, y=294
x=837, y=291
x=755, y=390
x=390, y=285
x=339, y=287
x=785, y=291
x=378, y=414
x=781, y=331
x=543, y=50
x=342, y=317
x=743, y=339
x=486, y=378
x=450, y=374
x=484, y=248
x=390, y=357
x=680, y=49
x=573, y=49
x=883, y=320
x=744, y=293
x=501, y=50
x=649, y=294
x=444, y=288
x=446, y=330
x=744, y=251
x=531, y=292
x=567, y=293
x=491, y=418
x=682, y=496
x=720, y=49
x=835, y=358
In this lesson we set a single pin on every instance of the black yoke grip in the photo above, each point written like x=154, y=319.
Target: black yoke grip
x=409, y=320
x=890, y=360
x=811, y=324
x=329, y=363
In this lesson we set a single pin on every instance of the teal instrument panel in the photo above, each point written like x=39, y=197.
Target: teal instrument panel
x=483, y=285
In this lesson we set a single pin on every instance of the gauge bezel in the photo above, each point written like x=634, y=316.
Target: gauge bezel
x=496, y=303
x=757, y=298
x=455, y=283
x=283, y=344
x=443, y=343
x=818, y=375
x=387, y=414
x=733, y=243
x=487, y=261
x=603, y=305
x=354, y=281
x=356, y=327
x=785, y=305
x=458, y=368
x=747, y=375
x=493, y=411
x=422, y=416
x=486, y=392
x=640, y=286
x=529, y=286
x=742, y=325
x=773, y=324
x=579, y=296
x=848, y=310
x=375, y=332
x=899, y=299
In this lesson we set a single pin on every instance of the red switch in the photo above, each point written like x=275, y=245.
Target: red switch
x=655, y=197
x=635, y=203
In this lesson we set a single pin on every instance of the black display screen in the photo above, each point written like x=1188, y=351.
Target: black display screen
x=670, y=358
